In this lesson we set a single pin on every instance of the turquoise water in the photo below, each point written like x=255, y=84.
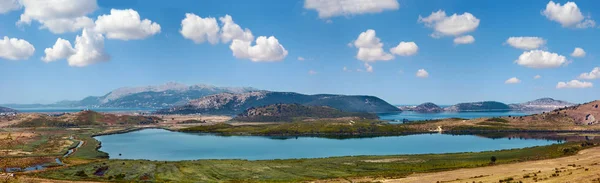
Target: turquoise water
x=159, y=144
x=415, y=116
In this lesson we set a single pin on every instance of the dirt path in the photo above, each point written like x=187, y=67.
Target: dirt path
x=583, y=167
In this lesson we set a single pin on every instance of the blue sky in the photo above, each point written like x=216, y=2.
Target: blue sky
x=456, y=72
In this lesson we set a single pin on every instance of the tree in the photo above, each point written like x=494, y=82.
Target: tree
x=493, y=160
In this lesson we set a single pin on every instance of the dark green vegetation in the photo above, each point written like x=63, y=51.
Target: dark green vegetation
x=497, y=120
x=89, y=149
x=479, y=106
x=294, y=170
x=358, y=127
x=295, y=112
x=232, y=104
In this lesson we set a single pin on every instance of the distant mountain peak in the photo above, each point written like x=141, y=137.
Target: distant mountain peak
x=541, y=104
x=170, y=86
x=546, y=101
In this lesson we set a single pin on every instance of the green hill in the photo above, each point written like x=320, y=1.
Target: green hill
x=291, y=112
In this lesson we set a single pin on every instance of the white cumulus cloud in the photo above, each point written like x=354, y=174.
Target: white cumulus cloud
x=422, y=73
x=594, y=74
x=405, y=49
x=58, y=16
x=541, y=59
x=89, y=49
x=312, y=72
x=574, y=84
x=231, y=31
x=453, y=25
x=370, y=48
x=9, y=5
x=526, y=43
x=125, y=25
x=537, y=77
x=513, y=80
x=568, y=15
x=468, y=39
x=61, y=50
x=15, y=49
x=332, y=8
x=265, y=50
x=578, y=52
x=200, y=29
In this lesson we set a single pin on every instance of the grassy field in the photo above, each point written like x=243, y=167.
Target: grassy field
x=351, y=127
x=294, y=170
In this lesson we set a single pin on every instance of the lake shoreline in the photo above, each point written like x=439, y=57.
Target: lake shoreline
x=382, y=166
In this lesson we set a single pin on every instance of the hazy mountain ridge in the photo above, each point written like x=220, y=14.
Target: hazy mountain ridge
x=478, y=106
x=6, y=109
x=541, y=104
x=231, y=104
x=159, y=96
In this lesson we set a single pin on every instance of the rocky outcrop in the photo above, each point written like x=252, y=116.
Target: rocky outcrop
x=231, y=104
x=427, y=107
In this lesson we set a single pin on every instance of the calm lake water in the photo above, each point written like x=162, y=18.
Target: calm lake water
x=159, y=144
x=415, y=116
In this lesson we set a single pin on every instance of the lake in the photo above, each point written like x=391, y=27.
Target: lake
x=415, y=116
x=160, y=144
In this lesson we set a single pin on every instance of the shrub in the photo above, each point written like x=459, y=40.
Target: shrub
x=81, y=173
x=497, y=120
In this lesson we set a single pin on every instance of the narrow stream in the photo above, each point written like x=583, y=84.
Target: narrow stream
x=42, y=166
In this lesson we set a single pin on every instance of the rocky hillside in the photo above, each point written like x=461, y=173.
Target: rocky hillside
x=479, y=107
x=542, y=104
x=6, y=109
x=232, y=104
x=291, y=112
x=428, y=107
x=582, y=114
x=159, y=96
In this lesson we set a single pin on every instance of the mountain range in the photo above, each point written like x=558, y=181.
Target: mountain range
x=176, y=98
x=542, y=104
x=231, y=104
x=160, y=96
